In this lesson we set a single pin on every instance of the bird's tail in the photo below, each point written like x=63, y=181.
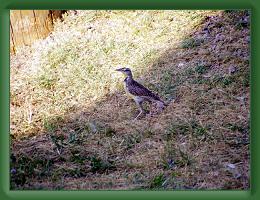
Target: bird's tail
x=161, y=104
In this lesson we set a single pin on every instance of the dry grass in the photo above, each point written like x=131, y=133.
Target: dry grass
x=72, y=126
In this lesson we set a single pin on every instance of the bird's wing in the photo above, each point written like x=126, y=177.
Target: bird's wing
x=137, y=89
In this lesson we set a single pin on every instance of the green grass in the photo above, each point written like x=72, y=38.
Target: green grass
x=191, y=43
x=26, y=168
x=72, y=125
x=157, y=181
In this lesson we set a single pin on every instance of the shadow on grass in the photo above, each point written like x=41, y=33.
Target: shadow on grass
x=191, y=145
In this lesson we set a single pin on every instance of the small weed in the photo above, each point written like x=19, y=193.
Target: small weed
x=26, y=167
x=226, y=81
x=177, y=128
x=157, y=181
x=222, y=81
x=198, y=131
x=201, y=69
x=51, y=124
x=77, y=157
x=72, y=138
x=75, y=172
x=191, y=43
x=235, y=82
x=46, y=81
x=148, y=133
x=185, y=128
x=200, y=80
x=131, y=140
x=109, y=132
x=98, y=165
x=174, y=157
x=192, y=75
x=237, y=127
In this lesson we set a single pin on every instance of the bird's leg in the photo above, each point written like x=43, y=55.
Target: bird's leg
x=138, y=115
x=140, y=106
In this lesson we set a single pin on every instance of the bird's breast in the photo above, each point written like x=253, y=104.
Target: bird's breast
x=127, y=91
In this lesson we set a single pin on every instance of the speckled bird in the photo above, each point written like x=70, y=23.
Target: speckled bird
x=138, y=92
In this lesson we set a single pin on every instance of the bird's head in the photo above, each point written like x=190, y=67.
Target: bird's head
x=125, y=71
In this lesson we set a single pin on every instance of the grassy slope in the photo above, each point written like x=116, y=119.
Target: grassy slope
x=72, y=126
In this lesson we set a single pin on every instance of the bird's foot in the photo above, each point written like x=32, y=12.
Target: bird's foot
x=137, y=116
x=140, y=114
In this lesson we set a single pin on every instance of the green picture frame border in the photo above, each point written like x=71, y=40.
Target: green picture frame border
x=7, y=5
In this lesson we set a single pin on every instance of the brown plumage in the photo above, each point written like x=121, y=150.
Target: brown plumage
x=137, y=89
x=138, y=92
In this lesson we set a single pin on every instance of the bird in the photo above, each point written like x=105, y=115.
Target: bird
x=139, y=93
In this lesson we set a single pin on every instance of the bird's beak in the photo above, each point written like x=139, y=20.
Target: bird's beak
x=118, y=70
